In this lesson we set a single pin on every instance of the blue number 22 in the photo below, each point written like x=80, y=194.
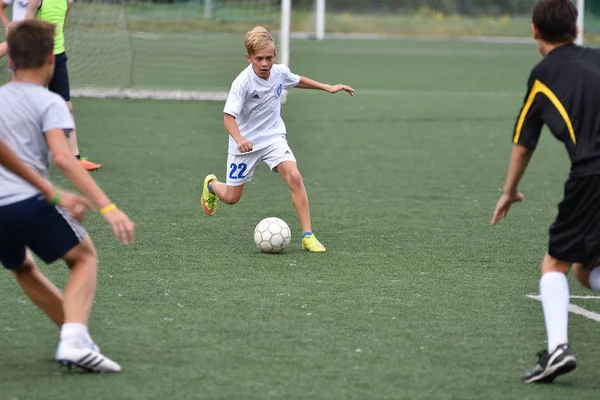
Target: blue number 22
x=235, y=167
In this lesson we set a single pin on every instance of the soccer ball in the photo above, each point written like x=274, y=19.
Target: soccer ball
x=272, y=235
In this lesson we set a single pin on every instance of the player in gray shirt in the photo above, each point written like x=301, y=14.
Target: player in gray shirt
x=34, y=123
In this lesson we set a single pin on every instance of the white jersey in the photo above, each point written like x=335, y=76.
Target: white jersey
x=256, y=105
x=19, y=8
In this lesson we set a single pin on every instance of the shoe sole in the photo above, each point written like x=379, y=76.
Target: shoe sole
x=205, y=208
x=564, y=367
x=74, y=366
x=313, y=251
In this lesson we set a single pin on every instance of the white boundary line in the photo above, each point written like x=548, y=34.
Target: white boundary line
x=576, y=309
x=216, y=95
x=348, y=36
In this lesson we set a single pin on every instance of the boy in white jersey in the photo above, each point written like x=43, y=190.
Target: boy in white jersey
x=34, y=123
x=257, y=132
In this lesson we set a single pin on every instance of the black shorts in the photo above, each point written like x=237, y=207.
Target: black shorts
x=575, y=235
x=49, y=231
x=60, y=80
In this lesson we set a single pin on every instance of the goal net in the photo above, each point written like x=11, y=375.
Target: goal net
x=192, y=49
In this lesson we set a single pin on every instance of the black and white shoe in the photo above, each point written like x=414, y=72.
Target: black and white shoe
x=85, y=357
x=560, y=362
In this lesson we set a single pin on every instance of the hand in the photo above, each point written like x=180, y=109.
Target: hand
x=244, y=146
x=504, y=204
x=339, y=88
x=121, y=225
x=75, y=204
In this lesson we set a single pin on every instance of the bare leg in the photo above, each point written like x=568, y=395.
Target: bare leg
x=289, y=172
x=73, y=135
x=227, y=194
x=81, y=285
x=582, y=275
x=40, y=290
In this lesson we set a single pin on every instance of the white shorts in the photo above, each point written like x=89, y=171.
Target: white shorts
x=241, y=167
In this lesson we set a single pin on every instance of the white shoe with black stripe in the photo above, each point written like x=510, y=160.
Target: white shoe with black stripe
x=84, y=357
x=561, y=361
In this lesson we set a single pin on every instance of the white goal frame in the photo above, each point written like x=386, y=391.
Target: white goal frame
x=284, y=55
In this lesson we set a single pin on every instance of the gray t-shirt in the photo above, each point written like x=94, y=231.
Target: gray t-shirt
x=27, y=111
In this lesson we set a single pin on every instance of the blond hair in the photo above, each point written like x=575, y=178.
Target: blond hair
x=257, y=39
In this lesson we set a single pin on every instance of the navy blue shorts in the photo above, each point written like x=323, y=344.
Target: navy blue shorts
x=49, y=231
x=60, y=79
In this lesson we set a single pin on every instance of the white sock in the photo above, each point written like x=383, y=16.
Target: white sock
x=594, y=279
x=554, y=291
x=74, y=332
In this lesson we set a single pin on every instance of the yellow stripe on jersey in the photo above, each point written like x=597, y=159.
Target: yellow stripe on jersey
x=539, y=87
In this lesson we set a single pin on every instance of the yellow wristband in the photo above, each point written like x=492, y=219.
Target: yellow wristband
x=108, y=208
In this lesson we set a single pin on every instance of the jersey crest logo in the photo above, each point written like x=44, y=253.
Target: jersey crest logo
x=279, y=90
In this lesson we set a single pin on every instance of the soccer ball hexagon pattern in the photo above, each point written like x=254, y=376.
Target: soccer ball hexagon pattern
x=272, y=235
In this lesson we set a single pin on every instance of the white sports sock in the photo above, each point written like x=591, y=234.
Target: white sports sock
x=74, y=332
x=554, y=291
x=594, y=279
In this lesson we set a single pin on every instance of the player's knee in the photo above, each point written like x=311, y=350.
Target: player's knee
x=294, y=179
x=28, y=267
x=82, y=254
x=551, y=264
x=231, y=198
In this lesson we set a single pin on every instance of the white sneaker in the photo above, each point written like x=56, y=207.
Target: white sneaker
x=85, y=357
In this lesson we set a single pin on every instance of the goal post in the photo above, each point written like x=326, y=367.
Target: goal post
x=580, y=21
x=284, y=38
x=320, y=19
x=193, y=49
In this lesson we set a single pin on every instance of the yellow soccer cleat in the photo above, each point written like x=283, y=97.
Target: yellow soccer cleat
x=310, y=243
x=209, y=199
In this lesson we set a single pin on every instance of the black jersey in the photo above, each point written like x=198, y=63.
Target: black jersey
x=564, y=93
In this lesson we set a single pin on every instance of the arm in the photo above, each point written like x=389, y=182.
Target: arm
x=32, y=8
x=14, y=164
x=73, y=171
x=76, y=205
x=3, y=49
x=518, y=164
x=233, y=108
x=81, y=179
x=232, y=128
x=306, y=83
x=525, y=137
x=3, y=16
x=69, y=5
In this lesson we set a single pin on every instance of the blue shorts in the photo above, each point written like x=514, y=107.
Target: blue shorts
x=49, y=231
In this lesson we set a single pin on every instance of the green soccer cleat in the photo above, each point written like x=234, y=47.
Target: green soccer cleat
x=209, y=199
x=311, y=244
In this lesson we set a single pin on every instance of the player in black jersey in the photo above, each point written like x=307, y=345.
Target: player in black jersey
x=564, y=94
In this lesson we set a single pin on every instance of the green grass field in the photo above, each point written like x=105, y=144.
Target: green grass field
x=417, y=296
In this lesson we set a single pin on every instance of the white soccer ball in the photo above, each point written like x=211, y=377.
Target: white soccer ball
x=272, y=235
